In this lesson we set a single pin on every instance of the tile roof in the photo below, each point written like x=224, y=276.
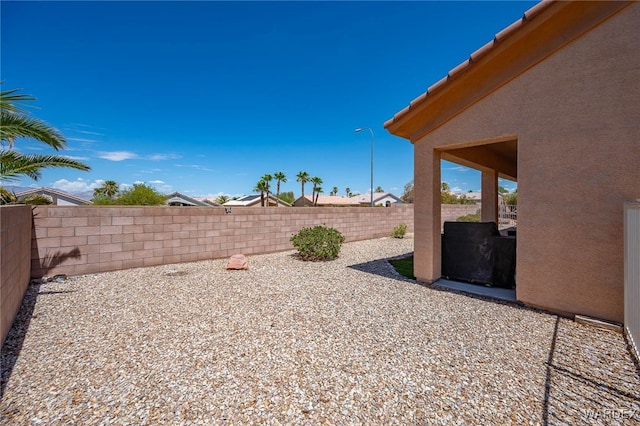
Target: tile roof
x=473, y=58
x=176, y=197
x=251, y=199
x=332, y=200
x=366, y=198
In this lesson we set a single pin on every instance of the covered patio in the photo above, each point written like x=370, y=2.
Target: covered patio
x=551, y=102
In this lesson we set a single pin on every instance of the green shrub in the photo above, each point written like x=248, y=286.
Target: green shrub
x=318, y=243
x=470, y=217
x=399, y=231
x=38, y=200
x=140, y=195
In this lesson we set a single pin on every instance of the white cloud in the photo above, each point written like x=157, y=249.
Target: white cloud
x=195, y=166
x=83, y=140
x=117, y=155
x=159, y=157
x=211, y=196
x=86, y=132
x=457, y=168
x=160, y=186
x=78, y=185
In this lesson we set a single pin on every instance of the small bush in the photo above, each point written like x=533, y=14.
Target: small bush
x=38, y=200
x=470, y=217
x=318, y=243
x=399, y=231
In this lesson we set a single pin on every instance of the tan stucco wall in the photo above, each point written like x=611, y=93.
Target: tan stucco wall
x=576, y=117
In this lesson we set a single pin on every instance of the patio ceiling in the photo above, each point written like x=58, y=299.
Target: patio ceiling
x=499, y=156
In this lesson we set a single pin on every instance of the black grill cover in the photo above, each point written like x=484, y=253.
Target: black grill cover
x=467, y=251
x=475, y=252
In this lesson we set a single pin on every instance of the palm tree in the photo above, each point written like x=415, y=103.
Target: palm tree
x=379, y=189
x=222, y=199
x=318, y=191
x=334, y=191
x=280, y=177
x=6, y=197
x=261, y=186
x=15, y=124
x=316, y=182
x=14, y=164
x=302, y=177
x=348, y=191
x=267, y=178
x=109, y=188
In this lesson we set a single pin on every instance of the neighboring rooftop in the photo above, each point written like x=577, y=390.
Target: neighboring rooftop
x=57, y=197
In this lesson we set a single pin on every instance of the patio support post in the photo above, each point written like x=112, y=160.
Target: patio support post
x=427, y=226
x=489, y=211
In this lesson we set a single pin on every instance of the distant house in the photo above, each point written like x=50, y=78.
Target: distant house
x=178, y=199
x=384, y=199
x=475, y=196
x=253, y=200
x=326, y=201
x=58, y=198
x=206, y=201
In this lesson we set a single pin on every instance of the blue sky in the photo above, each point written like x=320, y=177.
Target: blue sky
x=206, y=97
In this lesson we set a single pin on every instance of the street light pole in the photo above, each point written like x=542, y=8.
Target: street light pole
x=358, y=130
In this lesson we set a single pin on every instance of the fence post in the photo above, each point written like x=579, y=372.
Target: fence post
x=632, y=274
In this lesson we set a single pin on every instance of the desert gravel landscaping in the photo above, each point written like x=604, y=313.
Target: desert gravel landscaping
x=345, y=342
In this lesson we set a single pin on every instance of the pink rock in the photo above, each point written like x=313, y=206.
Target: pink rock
x=237, y=261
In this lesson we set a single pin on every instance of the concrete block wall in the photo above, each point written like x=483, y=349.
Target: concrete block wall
x=78, y=240
x=15, y=262
x=450, y=212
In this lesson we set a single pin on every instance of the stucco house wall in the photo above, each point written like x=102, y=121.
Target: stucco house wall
x=576, y=118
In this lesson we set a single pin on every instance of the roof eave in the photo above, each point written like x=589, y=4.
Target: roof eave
x=512, y=51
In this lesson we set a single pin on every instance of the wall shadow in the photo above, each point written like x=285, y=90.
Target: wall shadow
x=383, y=267
x=15, y=338
x=591, y=377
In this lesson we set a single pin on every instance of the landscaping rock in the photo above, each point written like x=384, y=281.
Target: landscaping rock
x=238, y=261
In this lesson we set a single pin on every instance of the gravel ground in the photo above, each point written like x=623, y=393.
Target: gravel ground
x=291, y=342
